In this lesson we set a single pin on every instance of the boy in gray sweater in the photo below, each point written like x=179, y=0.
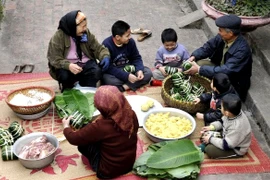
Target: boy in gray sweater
x=236, y=131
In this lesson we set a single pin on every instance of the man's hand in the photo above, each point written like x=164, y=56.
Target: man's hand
x=192, y=58
x=105, y=64
x=140, y=75
x=74, y=68
x=194, y=69
x=66, y=121
x=132, y=78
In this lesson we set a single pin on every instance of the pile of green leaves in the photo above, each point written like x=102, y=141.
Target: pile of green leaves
x=243, y=7
x=73, y=100
x=170, y=160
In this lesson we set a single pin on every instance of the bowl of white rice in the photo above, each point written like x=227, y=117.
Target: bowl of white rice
x=30, y=100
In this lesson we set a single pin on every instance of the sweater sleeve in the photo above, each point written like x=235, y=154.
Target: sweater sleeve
x=88, y=134
x=135, y=57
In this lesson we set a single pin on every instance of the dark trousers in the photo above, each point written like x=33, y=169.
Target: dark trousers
x=216, y=153
x=109, y=79
x=89, y=76
x=92, y=153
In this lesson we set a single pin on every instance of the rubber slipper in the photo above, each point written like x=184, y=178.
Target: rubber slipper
x=28, y=68
x=144, y=35
x=137, y=31
x=17, y=69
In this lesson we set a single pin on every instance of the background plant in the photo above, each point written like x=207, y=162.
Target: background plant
x=1, y=11
x=242, y=7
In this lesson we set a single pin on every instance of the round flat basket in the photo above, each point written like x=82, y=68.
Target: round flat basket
x=30, y=109
x=189, y=107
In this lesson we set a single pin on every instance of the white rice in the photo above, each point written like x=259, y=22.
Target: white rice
x=32, y=98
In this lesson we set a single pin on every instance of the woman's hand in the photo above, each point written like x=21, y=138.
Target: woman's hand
x=74, y=68
x=66, y=121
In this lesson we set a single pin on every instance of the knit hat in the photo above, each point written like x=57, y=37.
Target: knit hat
x=229, y=21
x=80, y=17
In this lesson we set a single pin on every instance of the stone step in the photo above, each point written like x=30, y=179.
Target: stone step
x=190, y=18
x=259, y=41
x=258, y=99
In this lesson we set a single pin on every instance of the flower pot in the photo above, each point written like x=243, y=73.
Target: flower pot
x=249, y=23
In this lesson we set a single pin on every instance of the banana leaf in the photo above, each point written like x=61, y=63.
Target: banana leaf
x=179, y=153
x=190, y=170
x=72, y=100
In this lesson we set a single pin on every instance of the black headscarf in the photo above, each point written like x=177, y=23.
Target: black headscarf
x=68, y=24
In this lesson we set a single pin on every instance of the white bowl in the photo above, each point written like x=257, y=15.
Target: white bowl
x=173, y=112
x=35, y=163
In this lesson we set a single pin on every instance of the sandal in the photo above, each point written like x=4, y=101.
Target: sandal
x=28, y=68
x=144, y=35
x=137, y=31
x=17, y=69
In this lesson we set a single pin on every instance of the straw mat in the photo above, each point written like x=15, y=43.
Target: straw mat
x=69, y=163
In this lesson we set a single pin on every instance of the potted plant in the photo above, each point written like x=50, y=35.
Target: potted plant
x=254, y=13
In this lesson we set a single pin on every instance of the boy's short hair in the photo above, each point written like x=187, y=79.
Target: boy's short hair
x=119, y=28
x=168, y=35
x=232, y=103
x=221, y=82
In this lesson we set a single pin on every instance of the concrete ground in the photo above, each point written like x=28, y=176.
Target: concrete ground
x=28, y=26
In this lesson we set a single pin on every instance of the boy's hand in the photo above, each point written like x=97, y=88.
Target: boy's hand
x=162, y=70
x=199, y=116
x=197, y=100
x=205, y=129
x=66, y=121
x=132, y=78
x=140, y=75
x=205, y=138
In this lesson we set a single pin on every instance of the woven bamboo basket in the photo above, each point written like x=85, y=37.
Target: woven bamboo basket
x=189, y=107
x=34, y=109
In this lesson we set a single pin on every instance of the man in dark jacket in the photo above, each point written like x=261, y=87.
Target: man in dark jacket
x=228, y=52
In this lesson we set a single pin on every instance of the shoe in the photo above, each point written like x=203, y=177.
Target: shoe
x=137, y=31
x=202, y=147
x=145, y=34
x=156, y=82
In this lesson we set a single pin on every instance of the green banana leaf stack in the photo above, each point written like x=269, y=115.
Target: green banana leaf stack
x=72, y=102
x=170, y=160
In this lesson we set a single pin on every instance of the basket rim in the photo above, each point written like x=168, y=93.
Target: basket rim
x=31, y=87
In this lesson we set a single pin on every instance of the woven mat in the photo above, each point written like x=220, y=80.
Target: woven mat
x=69, y=164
